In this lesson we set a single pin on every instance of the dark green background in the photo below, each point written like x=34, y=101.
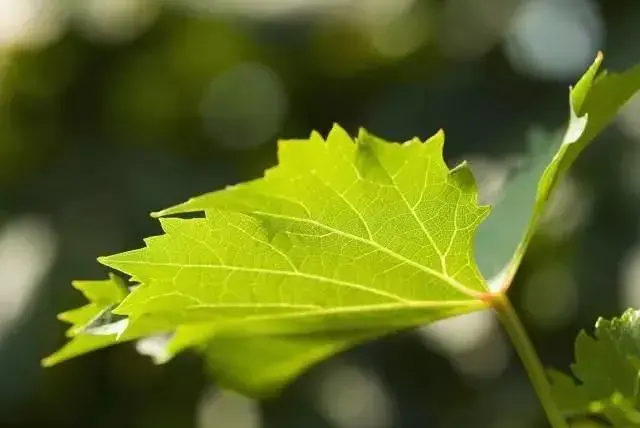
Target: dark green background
x=96, y=131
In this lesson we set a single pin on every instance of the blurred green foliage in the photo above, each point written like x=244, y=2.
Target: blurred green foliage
x=110, y=119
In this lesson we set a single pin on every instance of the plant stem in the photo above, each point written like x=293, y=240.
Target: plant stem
x=529, y=357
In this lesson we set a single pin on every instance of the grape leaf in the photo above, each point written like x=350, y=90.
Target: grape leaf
x=338, y=244
x=343, y=239
x=607, y=367
x=503, y=238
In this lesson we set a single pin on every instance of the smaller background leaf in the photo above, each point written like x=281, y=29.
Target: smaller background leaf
x=607, y=367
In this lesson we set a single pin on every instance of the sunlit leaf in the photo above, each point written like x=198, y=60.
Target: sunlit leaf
x=342, y=241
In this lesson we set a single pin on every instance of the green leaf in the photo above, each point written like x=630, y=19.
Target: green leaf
x=607, y=367
x=343, y=241
x=503, y=238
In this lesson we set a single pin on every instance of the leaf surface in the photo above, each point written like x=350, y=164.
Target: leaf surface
x=342, y=242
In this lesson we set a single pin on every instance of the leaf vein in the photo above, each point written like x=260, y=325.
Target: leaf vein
x=318, y=278
x=449, y=280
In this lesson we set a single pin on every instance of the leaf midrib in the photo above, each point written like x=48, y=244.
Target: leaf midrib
x=467, y=305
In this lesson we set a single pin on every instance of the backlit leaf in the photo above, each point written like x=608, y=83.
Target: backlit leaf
x=343, y=241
